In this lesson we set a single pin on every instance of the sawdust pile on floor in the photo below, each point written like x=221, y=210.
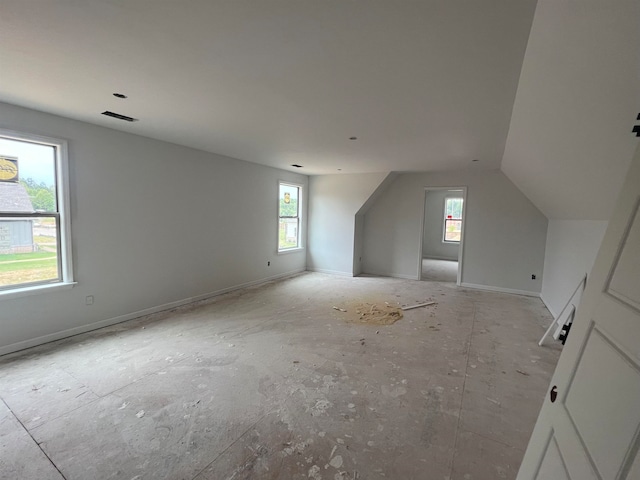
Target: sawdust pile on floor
x=372, y=313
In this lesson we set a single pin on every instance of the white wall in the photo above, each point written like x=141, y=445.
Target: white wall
x=505, y=233
x=358, y=248
x=577, y=100
x=572, y=246
x=152, y=223
x=334, y=201
x=433, y=245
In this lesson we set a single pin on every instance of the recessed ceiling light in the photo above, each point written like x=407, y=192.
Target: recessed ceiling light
x=353, y=138
x=296, y=165
x=120, y=95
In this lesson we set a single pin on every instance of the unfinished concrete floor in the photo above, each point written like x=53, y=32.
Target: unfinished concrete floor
x=270, y=382
x=436, y=270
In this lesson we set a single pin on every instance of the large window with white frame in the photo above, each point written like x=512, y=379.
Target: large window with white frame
x=452, y=230
x=289, y=217
x=35, y=249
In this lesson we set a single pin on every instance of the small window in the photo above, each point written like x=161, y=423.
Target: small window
x=452, y=219
x=34, y=229
x=288, y=217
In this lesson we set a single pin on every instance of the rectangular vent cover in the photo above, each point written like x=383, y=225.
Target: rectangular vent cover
x=119, y=117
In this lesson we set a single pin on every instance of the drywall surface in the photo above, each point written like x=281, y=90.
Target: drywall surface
x=577, y=100
x=433, y=245
x=358, y=245
x=572, y=246
x=334, y=201
x=152, y=223
x=504, y=236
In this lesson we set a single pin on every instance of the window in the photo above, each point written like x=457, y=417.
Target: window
x=452, y=219
x=34, y=224
x=288, y=217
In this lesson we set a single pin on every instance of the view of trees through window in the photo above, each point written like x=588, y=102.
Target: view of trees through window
x=452, y=219
x=43, y=197
x=29, y=218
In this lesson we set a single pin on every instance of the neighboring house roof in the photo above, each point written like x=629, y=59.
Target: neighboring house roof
x=14, y=198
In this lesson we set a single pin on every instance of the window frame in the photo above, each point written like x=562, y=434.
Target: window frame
x=63, y=217
x=445, y=219
x=282, y=251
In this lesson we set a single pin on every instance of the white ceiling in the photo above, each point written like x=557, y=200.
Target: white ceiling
x=424, y=84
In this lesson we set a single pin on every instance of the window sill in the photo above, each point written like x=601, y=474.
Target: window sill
x=290, y=250
x=36, y=290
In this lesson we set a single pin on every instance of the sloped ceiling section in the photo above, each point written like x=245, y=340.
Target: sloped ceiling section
x=423, y=85
x=570, y=141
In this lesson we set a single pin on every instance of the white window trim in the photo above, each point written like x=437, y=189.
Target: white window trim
x=300, y=246
x=64, y=206
x=444, y=218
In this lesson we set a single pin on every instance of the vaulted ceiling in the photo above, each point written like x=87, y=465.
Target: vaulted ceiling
x=424, y=85
x=570, y=142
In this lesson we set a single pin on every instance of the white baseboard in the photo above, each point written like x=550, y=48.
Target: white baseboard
x=330, y=272
x=500, y=289
x=553, y=314
x=435, y=257
x=393, y=275
x=404, y=277
x=52, y=337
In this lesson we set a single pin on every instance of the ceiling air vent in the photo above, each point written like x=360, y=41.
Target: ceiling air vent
x=119, y=117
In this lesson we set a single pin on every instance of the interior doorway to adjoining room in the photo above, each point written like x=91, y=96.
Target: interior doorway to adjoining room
x=441, y=252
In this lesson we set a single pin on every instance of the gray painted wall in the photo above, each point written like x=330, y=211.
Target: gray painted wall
x=152, y=223
x=334, y=201
x=505, y=234
x=572, y=246
x=432, y=244
x=358, y=249
x=570, y=143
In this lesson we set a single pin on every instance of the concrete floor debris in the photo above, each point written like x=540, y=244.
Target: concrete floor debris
x=411, y=307
x=377, y=314
x=371, y=313
x=304, y=393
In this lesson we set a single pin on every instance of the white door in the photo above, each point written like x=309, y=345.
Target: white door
x=592, y=429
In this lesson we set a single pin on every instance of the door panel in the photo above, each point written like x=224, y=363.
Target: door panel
x=621, y=320
x=623, y=284
x=572, y=451
x=553, y=465
x=635, y=468
x=592, y=429
x=605, y=381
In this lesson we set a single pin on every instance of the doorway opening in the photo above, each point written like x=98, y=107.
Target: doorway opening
x=442, y=234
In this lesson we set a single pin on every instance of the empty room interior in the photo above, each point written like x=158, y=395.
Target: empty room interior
x=291, y=239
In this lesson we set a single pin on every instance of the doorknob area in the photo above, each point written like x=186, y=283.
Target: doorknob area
x=553, y=393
